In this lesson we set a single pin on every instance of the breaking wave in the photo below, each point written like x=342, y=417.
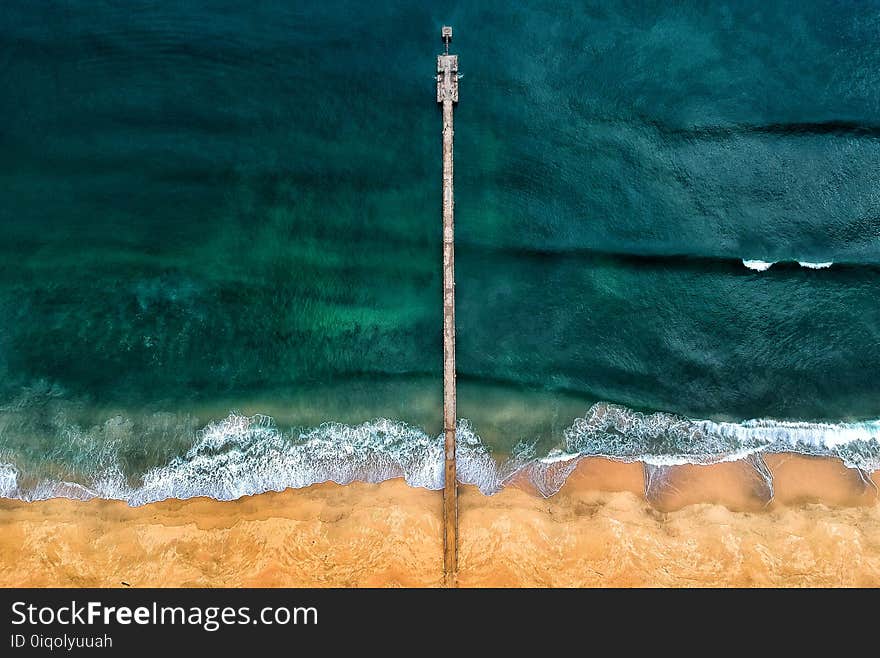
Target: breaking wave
x=240, y=455
x=758, y=265
x=763, y=265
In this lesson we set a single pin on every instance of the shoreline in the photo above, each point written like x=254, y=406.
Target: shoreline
x=698, y=526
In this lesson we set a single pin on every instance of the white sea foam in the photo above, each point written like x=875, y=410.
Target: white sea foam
x=758, y=265
x=240, y=455
x=664, y=439
x=8, y=481
x=763, y=265
x=815, y=266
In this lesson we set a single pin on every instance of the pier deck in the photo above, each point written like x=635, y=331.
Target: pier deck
x=447, y=95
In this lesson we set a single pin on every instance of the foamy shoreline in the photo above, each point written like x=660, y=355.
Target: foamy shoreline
x=249, y=455
x=708, y=525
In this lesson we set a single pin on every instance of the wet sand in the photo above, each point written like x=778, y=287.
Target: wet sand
x=699, y=526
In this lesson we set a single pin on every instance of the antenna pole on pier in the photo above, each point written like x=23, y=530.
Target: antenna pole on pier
x=447, y=95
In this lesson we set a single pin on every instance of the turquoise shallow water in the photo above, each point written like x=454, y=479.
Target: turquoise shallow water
x=212, y=212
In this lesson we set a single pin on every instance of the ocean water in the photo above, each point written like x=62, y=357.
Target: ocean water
x=220, y=240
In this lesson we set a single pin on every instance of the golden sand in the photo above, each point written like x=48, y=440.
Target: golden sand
x=706, y=526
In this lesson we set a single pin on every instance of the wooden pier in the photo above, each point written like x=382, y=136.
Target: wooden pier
x=447, y=95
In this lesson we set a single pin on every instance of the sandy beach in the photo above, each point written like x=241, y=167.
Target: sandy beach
x=699, y=526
